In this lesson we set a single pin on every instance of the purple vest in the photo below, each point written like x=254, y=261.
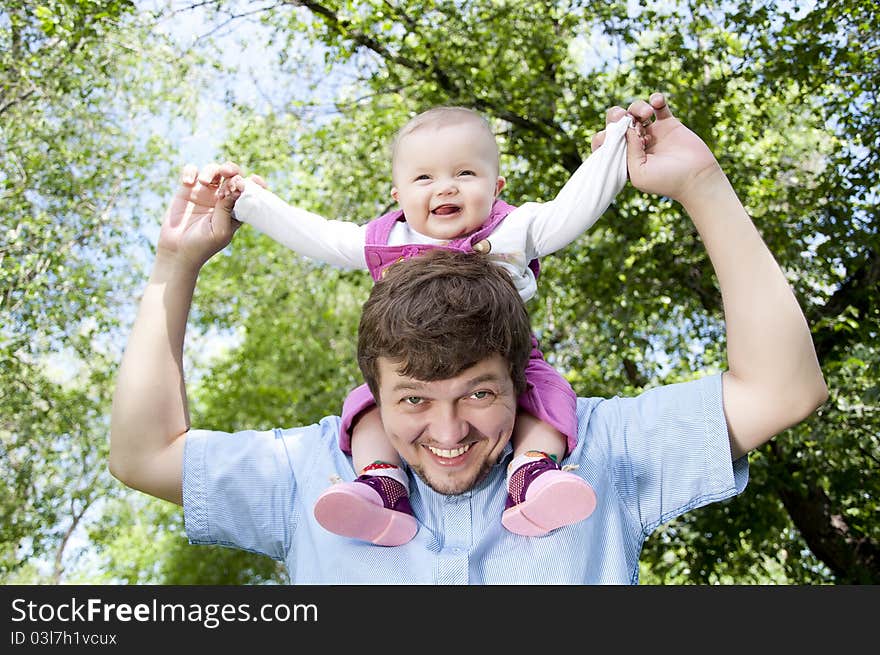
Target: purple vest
x=380, y=255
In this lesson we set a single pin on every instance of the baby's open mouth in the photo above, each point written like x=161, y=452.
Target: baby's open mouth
x=446, y=210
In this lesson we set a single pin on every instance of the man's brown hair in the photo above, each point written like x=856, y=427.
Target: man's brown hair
x=440, y=313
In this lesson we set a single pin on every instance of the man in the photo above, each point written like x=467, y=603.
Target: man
x=649, y=458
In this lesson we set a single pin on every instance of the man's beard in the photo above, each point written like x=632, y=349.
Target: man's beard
x=453, y=487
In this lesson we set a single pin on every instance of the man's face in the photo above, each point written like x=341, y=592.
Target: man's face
x=450, y=431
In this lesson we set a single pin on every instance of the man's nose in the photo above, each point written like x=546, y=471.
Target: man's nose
x=448, y=426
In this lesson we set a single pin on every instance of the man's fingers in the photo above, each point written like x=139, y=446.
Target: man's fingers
x=224, y=224
x=659, y=105
x=228, y=169
x=210, y=178
x=188, y=174
x=642, y=112
x=210, y=175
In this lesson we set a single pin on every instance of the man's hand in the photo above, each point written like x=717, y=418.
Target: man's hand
x=194, y=228
x=663, y=156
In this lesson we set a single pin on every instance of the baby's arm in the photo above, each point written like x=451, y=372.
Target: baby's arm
x=340, y=243
x=585, y=196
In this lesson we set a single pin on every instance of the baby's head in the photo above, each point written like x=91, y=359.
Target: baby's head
x=444, y=168
x=447, y=116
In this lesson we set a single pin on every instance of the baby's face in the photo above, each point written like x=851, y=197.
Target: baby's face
x=446, y=179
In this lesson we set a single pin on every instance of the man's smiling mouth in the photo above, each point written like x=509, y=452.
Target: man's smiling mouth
x=455, y=452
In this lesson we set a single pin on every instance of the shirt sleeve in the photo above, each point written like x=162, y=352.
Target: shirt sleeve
x=668, y=450
x=340, y=243
x=236, y=489
x=585, y=196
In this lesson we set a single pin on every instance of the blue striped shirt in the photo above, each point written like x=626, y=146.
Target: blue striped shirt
x=649, y=458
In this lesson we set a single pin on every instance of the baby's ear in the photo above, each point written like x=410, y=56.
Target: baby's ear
x=499, y=185
x=394, y=193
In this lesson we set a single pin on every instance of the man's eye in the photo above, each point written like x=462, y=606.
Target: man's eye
x=412, y=400
x=480, y=395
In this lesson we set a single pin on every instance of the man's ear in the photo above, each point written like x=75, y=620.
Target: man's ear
x=394, y=193
x=499, y=184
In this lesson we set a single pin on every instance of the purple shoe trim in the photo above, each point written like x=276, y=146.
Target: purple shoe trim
x=394, y=495
x=524, y=476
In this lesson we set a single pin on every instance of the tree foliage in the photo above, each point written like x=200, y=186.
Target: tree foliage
x=76, y=77
x=785, y=96
x=634, y=303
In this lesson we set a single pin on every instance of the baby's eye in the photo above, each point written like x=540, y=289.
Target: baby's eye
x=467, y=172
x=423, y=176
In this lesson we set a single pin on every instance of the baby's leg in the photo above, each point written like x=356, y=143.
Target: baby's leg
x=532, y=434
x=540, y=495
x=369, y=445
x=375, y=506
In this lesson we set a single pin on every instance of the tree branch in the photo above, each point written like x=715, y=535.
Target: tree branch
x=858, y=291
x=852, y=560
x=570, y=155
x=58, y=568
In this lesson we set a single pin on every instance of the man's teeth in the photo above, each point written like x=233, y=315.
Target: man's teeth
x=455, y=452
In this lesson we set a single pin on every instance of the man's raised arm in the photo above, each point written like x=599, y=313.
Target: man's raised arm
x=773, y=379
x=150, y=415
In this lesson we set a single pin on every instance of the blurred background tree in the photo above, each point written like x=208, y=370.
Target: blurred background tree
x=786, y=96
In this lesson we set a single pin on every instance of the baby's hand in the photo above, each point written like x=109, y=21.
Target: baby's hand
x=227, y=193
x=230, y=189
x=234, y=186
